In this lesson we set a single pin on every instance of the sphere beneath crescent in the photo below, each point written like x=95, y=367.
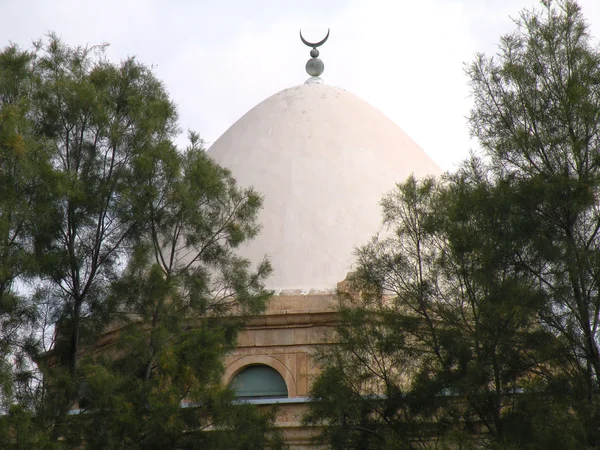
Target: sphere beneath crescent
x=314, y=67
x=323, y=158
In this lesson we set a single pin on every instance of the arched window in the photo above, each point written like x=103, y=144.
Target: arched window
x=259, y=381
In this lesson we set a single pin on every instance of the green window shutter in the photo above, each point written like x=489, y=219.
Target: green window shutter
x=259, y=382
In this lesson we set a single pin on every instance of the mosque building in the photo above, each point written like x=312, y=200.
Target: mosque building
x=322, y=158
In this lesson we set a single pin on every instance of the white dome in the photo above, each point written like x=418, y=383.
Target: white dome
x=322, y=158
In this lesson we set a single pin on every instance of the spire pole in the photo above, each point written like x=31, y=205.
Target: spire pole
x=314, y=66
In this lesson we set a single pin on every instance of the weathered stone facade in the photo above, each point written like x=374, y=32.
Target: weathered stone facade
x=285, y=338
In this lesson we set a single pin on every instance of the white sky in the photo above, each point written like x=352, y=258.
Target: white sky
x=220, y=58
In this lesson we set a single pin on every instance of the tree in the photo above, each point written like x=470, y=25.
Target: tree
x=25, y=179
x=537, y=118
x=443, y=332
x=99, y=121
x=187, y=294
x=136, y=244
x=478, y=312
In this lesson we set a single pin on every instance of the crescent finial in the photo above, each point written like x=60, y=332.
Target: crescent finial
x=317, y=44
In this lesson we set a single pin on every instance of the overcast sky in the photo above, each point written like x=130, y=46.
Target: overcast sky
x=220, y=58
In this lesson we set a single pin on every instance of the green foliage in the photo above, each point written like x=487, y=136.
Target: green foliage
x=537, y=118
x=127, y=245
x=25, y=179
x=98, y=120
x=473, y=319
x=443, y=330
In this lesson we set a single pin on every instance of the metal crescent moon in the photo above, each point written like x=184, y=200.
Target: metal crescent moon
x=317, y=44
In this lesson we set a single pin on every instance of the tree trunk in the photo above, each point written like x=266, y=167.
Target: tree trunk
x=75, y=338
